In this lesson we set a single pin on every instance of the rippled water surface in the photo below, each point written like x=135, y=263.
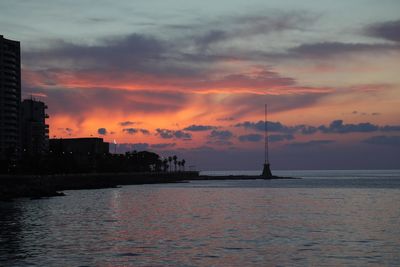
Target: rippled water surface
x=324, y=219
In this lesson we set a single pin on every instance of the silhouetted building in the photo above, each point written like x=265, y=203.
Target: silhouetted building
x=35, y=131
x=81, y=153
x=10, y=97
x=79, y=146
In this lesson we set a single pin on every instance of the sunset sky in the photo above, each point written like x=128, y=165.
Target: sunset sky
x=191, y=77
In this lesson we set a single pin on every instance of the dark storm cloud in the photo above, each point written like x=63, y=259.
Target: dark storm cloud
x=220, y=135
x=124, y=52
x=144, y=131
x=144, y=53
x=337, y=126
x=312, y=143
x=199, y=128
x=220, y=142
x=148, y=54
x=163, y=145
x=102, y=131
x=127, y=123
x=182, y=135
x=272, y=126
x=135, y=130
x=389, y=30
x=250, y=138
x=281, y=21
x=390, y=128
x=168, y=134
x=280, y=137
x=211, y=37
x=97, y=20
x=134, y=53
x=326, y=49
x=306, y=129
x=130, y=130
x=252, y=104
x=355, y=112
x=227, y=28
x=80, y=101
x=383, y=140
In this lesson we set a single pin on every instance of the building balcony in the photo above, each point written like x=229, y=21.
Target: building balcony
x=10, y=62
x=8, y=91
x=11, y=85
x=12, y=107
x=11, y=68
x=10, y=72
x=10, y=53
x=10, y=113
x=10, y=124
x=10, y=116
x=11, y=99
x=11, y=78
x=10, y=135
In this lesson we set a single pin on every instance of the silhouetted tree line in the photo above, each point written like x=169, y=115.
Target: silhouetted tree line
x=58, y=163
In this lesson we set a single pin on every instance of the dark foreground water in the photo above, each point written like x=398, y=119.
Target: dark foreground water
x=330, y=218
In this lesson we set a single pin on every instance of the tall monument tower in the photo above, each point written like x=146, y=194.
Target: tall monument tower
x=266, y=170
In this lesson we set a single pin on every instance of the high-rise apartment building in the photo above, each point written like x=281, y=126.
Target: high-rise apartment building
x=10, y=97
x=35, y=131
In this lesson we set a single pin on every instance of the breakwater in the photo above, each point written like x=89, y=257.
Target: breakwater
x=239, y=177
x=36, y=186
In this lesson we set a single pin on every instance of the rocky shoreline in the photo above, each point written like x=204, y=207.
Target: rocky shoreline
x=37, y=186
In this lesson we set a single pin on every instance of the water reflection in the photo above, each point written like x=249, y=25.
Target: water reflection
x=195, y=225
x=10, y=231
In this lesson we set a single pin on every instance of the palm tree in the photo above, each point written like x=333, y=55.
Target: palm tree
x=179, y=165
x=183, y=164
x=175, y=158
x=165, y=165
x=170, y=160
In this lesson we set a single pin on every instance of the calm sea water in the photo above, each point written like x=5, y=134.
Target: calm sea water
x=329, y=218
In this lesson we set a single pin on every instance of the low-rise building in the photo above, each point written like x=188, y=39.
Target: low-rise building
x=79, y=146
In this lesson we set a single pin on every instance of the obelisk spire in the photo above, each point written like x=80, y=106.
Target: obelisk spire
x=266, y=154
x=266, y=170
